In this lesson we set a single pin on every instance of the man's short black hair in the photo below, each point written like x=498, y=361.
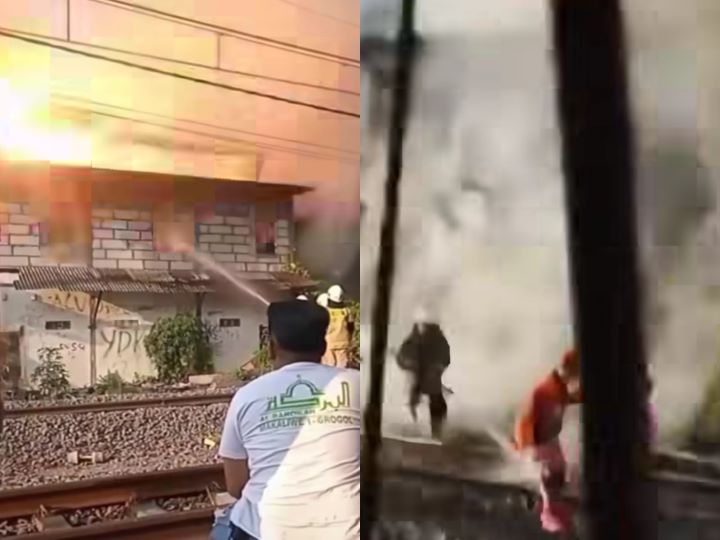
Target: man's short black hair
x=298, y=325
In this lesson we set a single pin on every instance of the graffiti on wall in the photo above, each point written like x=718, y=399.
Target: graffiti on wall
x=120, y=342
x=72, y=347
x=80, y=303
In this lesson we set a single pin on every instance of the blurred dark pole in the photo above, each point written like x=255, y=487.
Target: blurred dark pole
x=371, y=476
x=598, y=159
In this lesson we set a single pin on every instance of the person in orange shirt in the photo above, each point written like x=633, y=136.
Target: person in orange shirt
x=537, y=432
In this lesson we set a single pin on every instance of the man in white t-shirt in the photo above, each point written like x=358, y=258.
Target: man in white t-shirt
x=291, y=442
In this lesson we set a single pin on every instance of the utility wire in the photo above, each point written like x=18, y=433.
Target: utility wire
x=67, y=97
x=180, y=76
x=156, y=13
x=225, y=138
x=319, y=13
x=182, y=62
x=371, y=476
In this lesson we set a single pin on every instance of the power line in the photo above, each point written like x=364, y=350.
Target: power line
x=225, y=138
x=202, y=124
x=197, y=80
x=182, y=62
x=316, y=12
x=156, y=13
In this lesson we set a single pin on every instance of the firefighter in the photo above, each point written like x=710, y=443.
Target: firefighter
x=322, y=300
x=340, y=331
x=425, y=354
x=537, y=432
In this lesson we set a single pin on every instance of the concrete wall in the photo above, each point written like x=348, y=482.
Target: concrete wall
x=294, y=144
x=120, y=347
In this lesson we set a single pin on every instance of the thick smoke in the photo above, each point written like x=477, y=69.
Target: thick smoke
x=482, y=231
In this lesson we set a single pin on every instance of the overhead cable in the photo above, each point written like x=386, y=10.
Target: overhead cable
x=180, y=76
x=165, y=15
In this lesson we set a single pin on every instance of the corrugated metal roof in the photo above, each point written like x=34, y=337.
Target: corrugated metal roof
x=93, y=280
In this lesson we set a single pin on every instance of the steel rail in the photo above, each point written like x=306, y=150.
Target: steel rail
x=472, y=465
x=196, y=523
x=189, y=525
x=110, y=490
x=108, y=406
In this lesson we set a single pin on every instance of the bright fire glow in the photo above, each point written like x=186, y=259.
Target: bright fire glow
x=26, y=131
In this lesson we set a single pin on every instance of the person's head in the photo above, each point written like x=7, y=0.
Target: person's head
x=302, y=297
x=322, y=300
x=297, y=331
x=335, y=294
x=422, y=320
x=569, y=368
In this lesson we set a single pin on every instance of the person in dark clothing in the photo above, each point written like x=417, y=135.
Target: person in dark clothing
x=425, y=354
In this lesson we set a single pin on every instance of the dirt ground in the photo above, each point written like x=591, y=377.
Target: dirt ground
x=443, y=493
x=419, y=507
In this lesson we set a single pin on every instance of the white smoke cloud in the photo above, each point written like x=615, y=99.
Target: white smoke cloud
x=482, y=235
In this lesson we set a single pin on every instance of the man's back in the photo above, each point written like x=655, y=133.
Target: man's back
x=299, y=428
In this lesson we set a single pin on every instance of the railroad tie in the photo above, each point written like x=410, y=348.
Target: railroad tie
x=222, y=499
x=46, y=520
x=144, y=509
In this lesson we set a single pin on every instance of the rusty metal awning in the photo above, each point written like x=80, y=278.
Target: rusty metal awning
x=95, y=280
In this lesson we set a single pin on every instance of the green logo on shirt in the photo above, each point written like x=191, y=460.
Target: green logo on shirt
x=317, y=401
x=303, y=403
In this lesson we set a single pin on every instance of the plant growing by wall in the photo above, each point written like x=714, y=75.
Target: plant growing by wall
x=111, y=383
x=354, y=306
x=294, y=266
x=180, y=346
x=261, y=359
x=51, y=377
x=142, y=380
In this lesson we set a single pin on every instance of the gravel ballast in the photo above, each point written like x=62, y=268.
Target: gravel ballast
x=16, y=404
x=141, y=440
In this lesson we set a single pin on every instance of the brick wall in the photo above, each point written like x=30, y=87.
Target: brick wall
x=228, y=235
x=282, y=238
x=19, y=236
x=123, y=238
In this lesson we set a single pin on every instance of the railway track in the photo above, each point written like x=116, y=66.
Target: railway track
x=687, y=486
x=190, y=525
x=47, y=506
x=107, y=406
x=451, y=492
